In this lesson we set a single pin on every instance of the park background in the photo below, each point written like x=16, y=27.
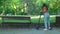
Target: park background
x=28, y=8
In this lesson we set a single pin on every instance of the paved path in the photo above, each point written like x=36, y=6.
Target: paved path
x=28, y=31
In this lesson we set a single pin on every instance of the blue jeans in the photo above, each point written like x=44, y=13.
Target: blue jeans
x=46, y=20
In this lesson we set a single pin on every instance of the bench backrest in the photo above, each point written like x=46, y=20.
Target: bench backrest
x=16, y=18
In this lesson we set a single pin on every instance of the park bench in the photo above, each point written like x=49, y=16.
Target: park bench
x=4, y=18
x=57, y=20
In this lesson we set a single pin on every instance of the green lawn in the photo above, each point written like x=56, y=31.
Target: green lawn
x=52, y=20
x=34, y=19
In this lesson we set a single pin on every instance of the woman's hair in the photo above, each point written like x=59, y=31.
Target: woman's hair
x=44, y=5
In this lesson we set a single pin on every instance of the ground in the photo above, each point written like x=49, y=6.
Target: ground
x=55, y=30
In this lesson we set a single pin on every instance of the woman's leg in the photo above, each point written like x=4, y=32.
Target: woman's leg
x=45, y=21
x=48, y=22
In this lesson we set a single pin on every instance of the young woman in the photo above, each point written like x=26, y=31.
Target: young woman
x=46, y=17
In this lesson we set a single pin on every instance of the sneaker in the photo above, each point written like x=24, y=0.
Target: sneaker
x=45, y=29
x=49, y=28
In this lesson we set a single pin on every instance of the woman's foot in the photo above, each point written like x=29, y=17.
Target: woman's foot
x=49, y=28
x=45, y=29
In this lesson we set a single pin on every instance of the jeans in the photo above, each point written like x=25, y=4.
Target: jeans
x=46, y=20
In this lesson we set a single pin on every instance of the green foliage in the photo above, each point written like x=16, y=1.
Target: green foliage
x=29, y=6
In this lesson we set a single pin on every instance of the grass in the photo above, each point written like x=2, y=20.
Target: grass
x=24, y=21
x=34, y=19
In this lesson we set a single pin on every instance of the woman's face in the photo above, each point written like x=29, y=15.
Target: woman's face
x=44, y=8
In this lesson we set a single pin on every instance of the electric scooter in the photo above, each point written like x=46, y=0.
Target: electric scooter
x=38, y=24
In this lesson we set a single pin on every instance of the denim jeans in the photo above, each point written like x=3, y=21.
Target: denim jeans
x=46, y=20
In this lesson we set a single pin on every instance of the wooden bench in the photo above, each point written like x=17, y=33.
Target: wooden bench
x=16, y=18
x=57, y=20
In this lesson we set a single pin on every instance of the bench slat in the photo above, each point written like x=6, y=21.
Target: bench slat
x=15, y=18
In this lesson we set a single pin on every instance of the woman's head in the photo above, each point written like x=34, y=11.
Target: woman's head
x=44, y=6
